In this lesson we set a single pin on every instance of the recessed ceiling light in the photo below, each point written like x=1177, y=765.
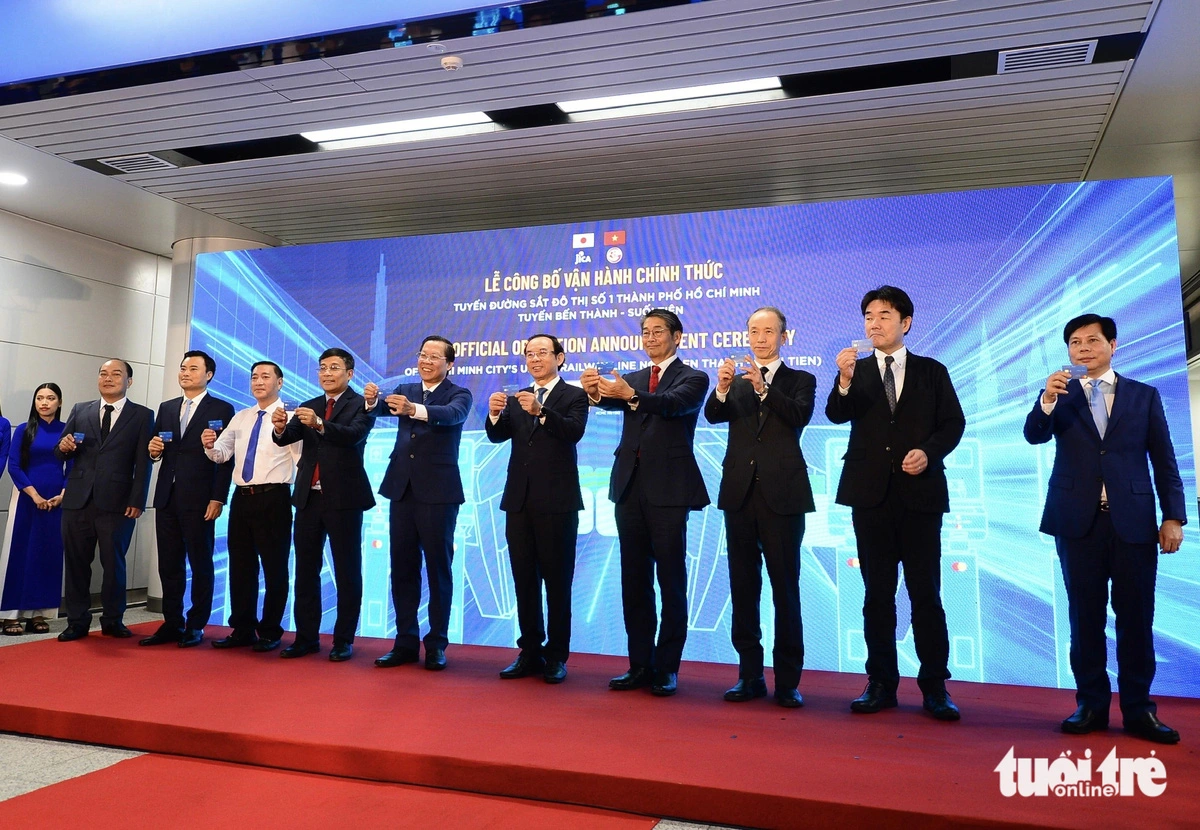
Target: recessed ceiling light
x=12, y=179
x=674, y=100
x=393, y=132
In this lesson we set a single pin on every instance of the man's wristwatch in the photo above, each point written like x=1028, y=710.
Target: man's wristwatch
x=633, y=401
x=320, y=422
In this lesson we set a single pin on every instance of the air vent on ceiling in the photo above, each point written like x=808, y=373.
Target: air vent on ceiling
x=1054, y=56
x=137, y=163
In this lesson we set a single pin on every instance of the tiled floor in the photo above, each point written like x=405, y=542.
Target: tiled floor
x=31, y=763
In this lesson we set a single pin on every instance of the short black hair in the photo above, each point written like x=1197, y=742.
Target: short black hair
x=773, y=310
x=893, y=296
x=128, y=368
x=346, y=357
x=273, y=365
x=437, y=338
x=1107, y=325
x=554, y=341
x=210, y=365
x=667, y=316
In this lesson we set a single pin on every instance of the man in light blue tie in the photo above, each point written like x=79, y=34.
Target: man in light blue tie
x=260, y=514
x=1100, y=510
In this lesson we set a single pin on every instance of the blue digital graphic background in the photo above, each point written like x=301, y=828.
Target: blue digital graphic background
x=993, y=275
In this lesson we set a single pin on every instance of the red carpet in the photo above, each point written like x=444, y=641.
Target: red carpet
x=211, y=794
x=692, y=756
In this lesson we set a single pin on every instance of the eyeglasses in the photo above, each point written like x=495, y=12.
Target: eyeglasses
x=655, y=334
x=542, y=353
x=430, y=358
x=330, y=370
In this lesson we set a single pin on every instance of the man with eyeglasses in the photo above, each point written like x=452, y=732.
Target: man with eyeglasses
x=332, y=492
x=541, y=502
x=655, y=483
x=424, y=485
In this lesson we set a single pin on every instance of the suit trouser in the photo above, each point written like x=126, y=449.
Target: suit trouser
x=1088, y=565
x=541, y=548
x=260, y=528
x=314, y=523
x=83, y=530
x=889, y=536
x=653, y=539
x=417, y=527
x=184, y=538
x=754, y=533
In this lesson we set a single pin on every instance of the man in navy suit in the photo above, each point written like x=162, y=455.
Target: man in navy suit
x=904, y=418
x=425, y=488
x=332, y=492
x=106, y=492
x=765, y=493
x=188, y=498
x=655, y=483
x=1100, y=511
x=541, y=503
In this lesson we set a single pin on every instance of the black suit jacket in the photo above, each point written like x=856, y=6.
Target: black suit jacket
x=543, y=469
x=426, y=452
x=767, y=447
x=115, y=474
x=184, y=468
x=657, y=438
x=344, y=483
x=928, y=417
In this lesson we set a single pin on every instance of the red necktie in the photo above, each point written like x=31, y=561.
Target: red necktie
x=317, y=467
x=654, y=371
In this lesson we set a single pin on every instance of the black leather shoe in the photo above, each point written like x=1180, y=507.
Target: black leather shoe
x=116, y=629
x=397, y=657
x=341, y=652
x=747, y=688
x=1085, y=720
x=555, y=672
x=1148, y=726
x=522, y=667
x=299, y=649
x=191, y=638
x=264, y=644
x=162, y=637
x=789, y=698
x=874, y=698
x=665, y=683
x=72, y=632
x=236, y=640
x=939, y=704
x=435, y=659
x=635, y=678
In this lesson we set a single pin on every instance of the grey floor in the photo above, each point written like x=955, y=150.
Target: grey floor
x=32, y=763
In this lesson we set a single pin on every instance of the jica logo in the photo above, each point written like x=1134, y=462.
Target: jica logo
x=1067, y=777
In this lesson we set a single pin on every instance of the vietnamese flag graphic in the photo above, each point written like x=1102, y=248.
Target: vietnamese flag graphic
x=614, y=237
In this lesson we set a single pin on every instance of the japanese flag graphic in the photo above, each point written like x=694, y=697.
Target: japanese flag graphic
x=583, y=240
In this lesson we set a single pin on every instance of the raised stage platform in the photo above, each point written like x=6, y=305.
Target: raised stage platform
x=692, y=756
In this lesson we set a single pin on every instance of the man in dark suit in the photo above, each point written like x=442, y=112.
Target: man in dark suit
x=188, y=498
x=106, y=492
x=764, y=494
x=332, y=491
x=905, y=419
x=541, y=502
x=425, y=488
x=1100, y=511
x=655, y=483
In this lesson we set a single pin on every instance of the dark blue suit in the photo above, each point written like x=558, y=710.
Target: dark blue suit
x=187, y=482
x=107, y=478
x=1120, y=544
x=425, y=487
x=655, y=482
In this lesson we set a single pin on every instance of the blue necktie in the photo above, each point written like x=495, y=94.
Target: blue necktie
x=1096, y=403
x=187, y=416
x=252, y=448
x=541, y=394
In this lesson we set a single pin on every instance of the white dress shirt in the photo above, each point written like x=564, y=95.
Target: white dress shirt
x=273, y=464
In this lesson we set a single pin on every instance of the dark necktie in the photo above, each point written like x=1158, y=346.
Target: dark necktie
x=762, y=410
x=654, y=373
x=424, y=396
x=889, y=382
x=252, y=448
x=317, y=467
x=106, y=422
x=541, y=395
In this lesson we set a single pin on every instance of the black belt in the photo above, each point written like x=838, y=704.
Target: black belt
x=253, y=489
x=1103, y=505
